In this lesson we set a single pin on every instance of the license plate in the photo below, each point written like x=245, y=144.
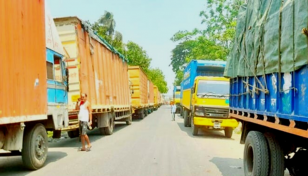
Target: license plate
x=216, y=125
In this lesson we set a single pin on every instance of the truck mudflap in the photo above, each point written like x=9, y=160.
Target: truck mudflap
x=215, y=123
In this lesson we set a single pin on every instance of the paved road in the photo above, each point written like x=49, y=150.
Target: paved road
x=154, y=146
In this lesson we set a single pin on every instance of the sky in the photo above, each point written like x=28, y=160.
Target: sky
x=149, y=23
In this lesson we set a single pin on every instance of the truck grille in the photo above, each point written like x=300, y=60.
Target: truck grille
x=215, y=112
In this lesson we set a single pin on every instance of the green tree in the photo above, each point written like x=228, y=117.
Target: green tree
x=137, y=56
x=105, y=27
x=158, y=78
x=220, y=20
x=212, y=43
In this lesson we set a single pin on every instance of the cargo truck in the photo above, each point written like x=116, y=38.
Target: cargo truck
x=268, y=73
x=176, y=98
x=206, y=97
x=157, y=98
x=150, y=96
x=97, y=69
x=33, y=82
x=139, y=95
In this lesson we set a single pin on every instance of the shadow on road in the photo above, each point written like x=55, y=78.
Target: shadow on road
x=229, y=166
x=14, y=165
x=203, y=133
x=94, y=135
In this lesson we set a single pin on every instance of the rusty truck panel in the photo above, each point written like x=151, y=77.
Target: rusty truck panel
x=94, y=68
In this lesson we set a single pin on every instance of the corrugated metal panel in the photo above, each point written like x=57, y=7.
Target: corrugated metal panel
x=93, y=69
x=139, y=85
x=151, y=93
x=23, y=61
x=156, y=95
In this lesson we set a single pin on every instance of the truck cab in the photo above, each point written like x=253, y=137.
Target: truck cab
x=176, y=98
x=210, y=105
x=205, y=97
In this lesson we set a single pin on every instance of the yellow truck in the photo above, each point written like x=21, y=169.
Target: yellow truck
x=176, y=98
x=139, y=92
x=205, y=97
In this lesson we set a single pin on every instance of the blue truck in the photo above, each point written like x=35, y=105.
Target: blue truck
x=268, y=71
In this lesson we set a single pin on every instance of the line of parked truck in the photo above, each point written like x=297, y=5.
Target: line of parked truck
x=265, y=83
x=45, y=67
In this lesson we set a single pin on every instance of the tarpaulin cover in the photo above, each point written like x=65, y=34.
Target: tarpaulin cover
x=269, y=38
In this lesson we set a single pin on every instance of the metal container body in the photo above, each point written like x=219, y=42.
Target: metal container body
x=291, y=103
x=93, y=67
x=139, y=84
x=23, y=89
x=151, y=93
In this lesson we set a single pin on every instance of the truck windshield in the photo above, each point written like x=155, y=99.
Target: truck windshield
x=213, y=87
x=177, y=95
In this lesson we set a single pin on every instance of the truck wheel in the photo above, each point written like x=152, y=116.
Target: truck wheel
x=186, y=120
x=129, y=121
x=228, y=132
x=146, y=112
x=256, y=160
x=142, y=115
x=73, y=134
x=276, y=156
x=35, y=147
x=108, y=130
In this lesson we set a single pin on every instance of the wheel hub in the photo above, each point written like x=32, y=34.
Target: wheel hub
x=40, y=146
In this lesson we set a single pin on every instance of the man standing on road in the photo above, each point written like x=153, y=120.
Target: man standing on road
x=85, y=119
x=173, y=109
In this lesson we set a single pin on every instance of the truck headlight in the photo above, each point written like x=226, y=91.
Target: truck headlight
x=199, y=111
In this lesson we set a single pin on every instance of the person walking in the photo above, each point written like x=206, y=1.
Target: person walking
x=173, y=110
x=85, y=120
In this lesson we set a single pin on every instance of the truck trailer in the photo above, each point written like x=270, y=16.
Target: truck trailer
x=33, y=86
x=97, y=69
x=268, y=73
x=139, y=93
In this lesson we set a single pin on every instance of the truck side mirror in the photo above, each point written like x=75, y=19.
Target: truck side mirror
x=193, y=90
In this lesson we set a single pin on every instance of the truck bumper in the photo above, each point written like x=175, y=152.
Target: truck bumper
x=209, y=122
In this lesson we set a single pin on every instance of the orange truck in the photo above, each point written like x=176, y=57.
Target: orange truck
x=33, y=84
x=97, y=69
x=139, y=92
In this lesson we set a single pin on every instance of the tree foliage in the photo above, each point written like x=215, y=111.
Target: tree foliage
x=105, y=27
x=158, y=78
x=137, y=56
x=211, y=43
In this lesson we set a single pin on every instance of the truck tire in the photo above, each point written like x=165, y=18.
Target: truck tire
x=141, y=115
x=73, y=134
x=256, y=160
x=108, y=130
x=185, y=116
x=228, y=132
x=129, y=121
x=276, y=156
x=146, y=112
x=35, y=147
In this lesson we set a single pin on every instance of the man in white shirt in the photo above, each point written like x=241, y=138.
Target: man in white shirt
x=173, y=110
